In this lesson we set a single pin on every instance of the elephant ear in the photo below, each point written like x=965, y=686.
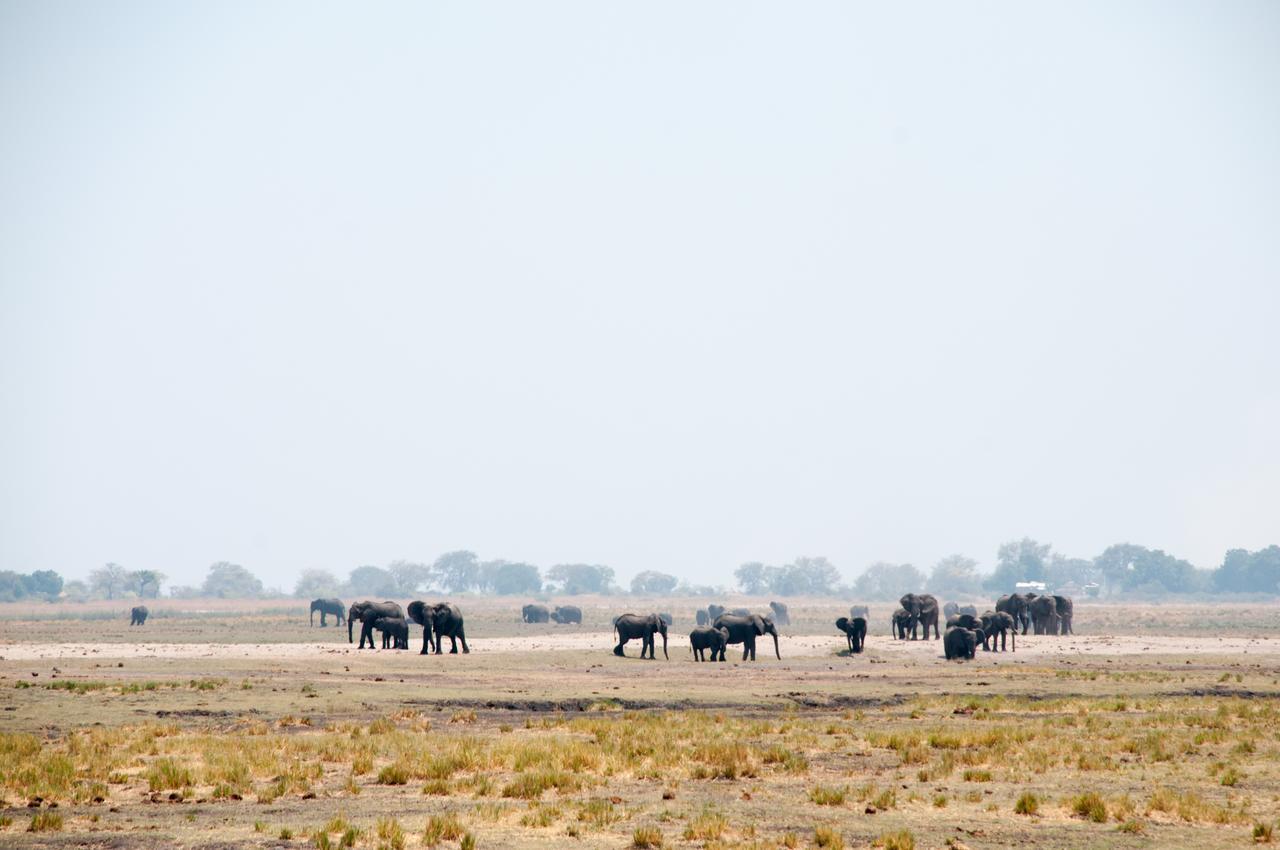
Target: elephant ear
x=757, y=623
x=417, y=613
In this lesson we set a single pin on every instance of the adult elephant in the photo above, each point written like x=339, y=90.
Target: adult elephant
x=950, y=610
x=667, y=618
x=971, y=610
x=443, y=619
x=642, y=627
x=1066, y=609
x=781, y=615
x=326, y=607
x=744, y=629
x=703, y=638
x=567, y=614
x=859, y=611
x=138, y=615
x=714, y=611
x=899, y=622
x=923, y=608
x=960, y=643
x=701, y=617
x=970, y=622
x=855, y=632
x=535, y=613
x=365, y=613
x=999, y=624
x=1015, y=605
x=1044, y=615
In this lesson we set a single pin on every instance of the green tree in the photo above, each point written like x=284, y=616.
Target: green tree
x=751, y=578
x=230, y=581
x=109, y=580
x=1249, y=572
x=456, y=572
x=1062, y=570
x=955, y=575
x=1019, y=560
x=803, y=576
x=508, y=578
x=314, y=584
x=372, y=581
x=1126, y=567
x=653, y=583
x=146, y=582
x=573, y=579
x=885, y=581
x=410, y=578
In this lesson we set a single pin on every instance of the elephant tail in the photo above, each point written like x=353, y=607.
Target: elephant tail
x=417, y=612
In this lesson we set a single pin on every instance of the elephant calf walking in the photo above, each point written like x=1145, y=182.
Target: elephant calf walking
x=703, y=638
x=855, y=632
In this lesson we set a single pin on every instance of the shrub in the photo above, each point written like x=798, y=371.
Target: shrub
x=1028, y=804
x=902, y=840
x=647, y=836
x=442, y=828
x=825, y=836
x=45, y=822
x=825, y=795
x=1090, y=807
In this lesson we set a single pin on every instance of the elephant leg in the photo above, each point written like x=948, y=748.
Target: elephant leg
x=426, y=642
x=453, y=645
x=462, y=636
x=617, y=650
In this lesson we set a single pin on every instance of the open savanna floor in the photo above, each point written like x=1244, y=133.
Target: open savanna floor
x=1105, y=740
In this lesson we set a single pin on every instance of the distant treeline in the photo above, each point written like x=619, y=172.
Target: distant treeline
x=1122, y=569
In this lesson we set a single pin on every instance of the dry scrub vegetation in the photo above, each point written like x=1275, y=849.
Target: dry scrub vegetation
x=1191, y=770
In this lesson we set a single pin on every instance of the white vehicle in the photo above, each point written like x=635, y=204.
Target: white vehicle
x=1037, y=587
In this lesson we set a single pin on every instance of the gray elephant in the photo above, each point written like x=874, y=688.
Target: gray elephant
x=567, y=614
x=899, y=623
x=713, y=611
x=972, y=623
x=1066, y=610
x=781, y=615
x=855, y=632
x=667, y=618
x=971, y=610
x=950, y=610
x=443, y=619
x=1044, y=615
x=535, y=613
x=138, y=615
x=859, y=611
x=741, y=612
x=395, y=632
x=923, y=608
x=744, y=629
x=326, y=607
x=960, y=643
x=701, y=617
x=365, y=613
x=703, y=638
x=1015, y=605
x=999, y=624
x=642, y=627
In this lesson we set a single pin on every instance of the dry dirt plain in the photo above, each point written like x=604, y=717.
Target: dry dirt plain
x=234, y=724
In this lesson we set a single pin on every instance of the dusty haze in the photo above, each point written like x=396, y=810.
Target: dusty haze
x=659, y=287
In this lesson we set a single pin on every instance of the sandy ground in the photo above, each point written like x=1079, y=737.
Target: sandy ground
x=802, y=646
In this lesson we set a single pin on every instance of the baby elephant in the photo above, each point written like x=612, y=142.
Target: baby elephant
x=138, y=616
x=855, y=632
x=704, y=637
x=395, y=632
x=960, y=643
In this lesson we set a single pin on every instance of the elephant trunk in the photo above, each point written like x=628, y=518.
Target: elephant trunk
x=775, y=646
x=313, y=615
x=664, y=645
x=350, y=619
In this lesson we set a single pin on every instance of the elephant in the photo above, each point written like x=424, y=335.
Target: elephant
x=535, y=613
x=714, y=611
x=899, y=622
x=701, y=617
x=643, y=627
x=395, y=632
x=1015, y=605
x=745, y=630
x=703, y=638
x=971, y=610
x=441, y=619
x=138, y=615
x=1000, y=623
x=1066, y=609
x=666, y=618
x=859, y=611
x=326, y=606
x=923, y=608
x=950, y=610
x=972, y=623
x=365, y=613
x=781, y=615
x=1044, y=615
x=855, y=632
x=567, y=614
x=960, y=643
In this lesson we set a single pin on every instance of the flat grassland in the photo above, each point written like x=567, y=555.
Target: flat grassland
x=234, y=723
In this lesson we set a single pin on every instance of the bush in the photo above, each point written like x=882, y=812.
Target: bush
x=1028, y=804
x=902, y=840
x=647, y=836
x=1090, y=807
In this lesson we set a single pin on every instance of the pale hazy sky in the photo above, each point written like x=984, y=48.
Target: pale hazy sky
x=658, y=285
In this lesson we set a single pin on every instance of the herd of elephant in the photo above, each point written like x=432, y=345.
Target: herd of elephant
x=717, y=626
